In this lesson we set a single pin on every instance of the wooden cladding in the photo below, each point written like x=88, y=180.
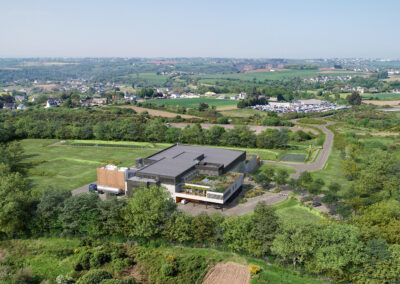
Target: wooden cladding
x=112, y=178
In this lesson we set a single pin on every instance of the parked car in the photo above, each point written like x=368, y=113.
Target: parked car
x=92, y=187
x=184, y=201
x=217, y=207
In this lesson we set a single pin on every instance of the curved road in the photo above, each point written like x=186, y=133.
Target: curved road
x=322, y=158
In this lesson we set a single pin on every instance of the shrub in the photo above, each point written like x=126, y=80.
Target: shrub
x=4, y=272
x=167, y=270
x=254, y=269
x=94, y=277
x=98, y=259
x=23, y=276
x=83, y=262
x=61, y=279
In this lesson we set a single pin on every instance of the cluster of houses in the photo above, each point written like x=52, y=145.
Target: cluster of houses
x=359, y=89
x=299, y=106
x=324, y=79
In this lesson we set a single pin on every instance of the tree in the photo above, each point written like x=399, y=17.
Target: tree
x=179, y=228
x=339, y=251
x=203, y=228
x=147, y=212
x=80, y=215
x=48, y=211
x=295, y=241
x=305, y=179
x=265, y=224
x=14, y=202
x=354, y=99
x=263, y=179
x=315, y=186
x=281, y=177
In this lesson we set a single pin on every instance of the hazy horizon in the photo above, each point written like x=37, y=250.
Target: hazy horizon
x=289, y=29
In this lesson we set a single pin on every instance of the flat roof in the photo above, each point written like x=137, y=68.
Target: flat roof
x=177, y=159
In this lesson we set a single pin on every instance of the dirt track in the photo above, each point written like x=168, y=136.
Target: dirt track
x=228, y=273
x=156, y=112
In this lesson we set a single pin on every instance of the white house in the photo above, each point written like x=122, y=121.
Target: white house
x=22, y=107
x=242, y=96
x=175, y=96
x=233, y=97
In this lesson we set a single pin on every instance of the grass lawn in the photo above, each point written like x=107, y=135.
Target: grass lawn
x=381, y=96
x=332, y=171
x=290, y=170
x=194, y=103
x=44, y=256
x=68, y=167
x=290, y=209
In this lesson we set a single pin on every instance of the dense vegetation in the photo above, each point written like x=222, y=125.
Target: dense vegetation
x=124, y=124
x=365, y=246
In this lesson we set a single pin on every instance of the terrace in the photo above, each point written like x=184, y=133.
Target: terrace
x=214, y=187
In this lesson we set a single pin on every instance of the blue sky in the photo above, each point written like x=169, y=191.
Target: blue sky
x=248, y=28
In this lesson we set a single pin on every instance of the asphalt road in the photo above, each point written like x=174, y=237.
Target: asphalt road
x=322, y=158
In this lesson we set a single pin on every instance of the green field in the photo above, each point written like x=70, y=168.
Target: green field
x=276, y=75
x=147, y=78
x=194, y=103
x=382, y=96
x=290, y=170
x=68, y=167
x=290, y=209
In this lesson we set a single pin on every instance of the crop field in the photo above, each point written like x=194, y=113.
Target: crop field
x=68, y=167
x=276, y=75
x=194, y=103
x=149, y=78
x=383, y=96
x=242, y=112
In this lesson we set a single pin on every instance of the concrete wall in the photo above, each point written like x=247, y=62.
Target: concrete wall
x=252, y=164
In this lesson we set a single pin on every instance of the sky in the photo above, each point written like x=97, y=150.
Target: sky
x=206, y=28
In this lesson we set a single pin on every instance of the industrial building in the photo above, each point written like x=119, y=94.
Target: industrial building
x=193, y=173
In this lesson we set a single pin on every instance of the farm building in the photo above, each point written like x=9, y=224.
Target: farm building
x=193, y=173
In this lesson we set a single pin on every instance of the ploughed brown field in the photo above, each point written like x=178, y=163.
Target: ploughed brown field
x=155, y=112
x=383, y=103
x=228, y=273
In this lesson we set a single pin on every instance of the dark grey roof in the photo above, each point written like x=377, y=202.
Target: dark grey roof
x=177, y=159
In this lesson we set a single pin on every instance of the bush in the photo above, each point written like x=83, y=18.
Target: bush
x=4, y=272
x=83, y=262
x=98, y=259
x=167, y=270
x=94, y=277
x=61, y=279
x=254, y=269
x=23, y=276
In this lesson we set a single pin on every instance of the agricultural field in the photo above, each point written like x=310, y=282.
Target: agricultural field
x=194, y=103
x=68, y=167
x=276, y=75
x=147, y=78
x=382, y=96
x=241, y=112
